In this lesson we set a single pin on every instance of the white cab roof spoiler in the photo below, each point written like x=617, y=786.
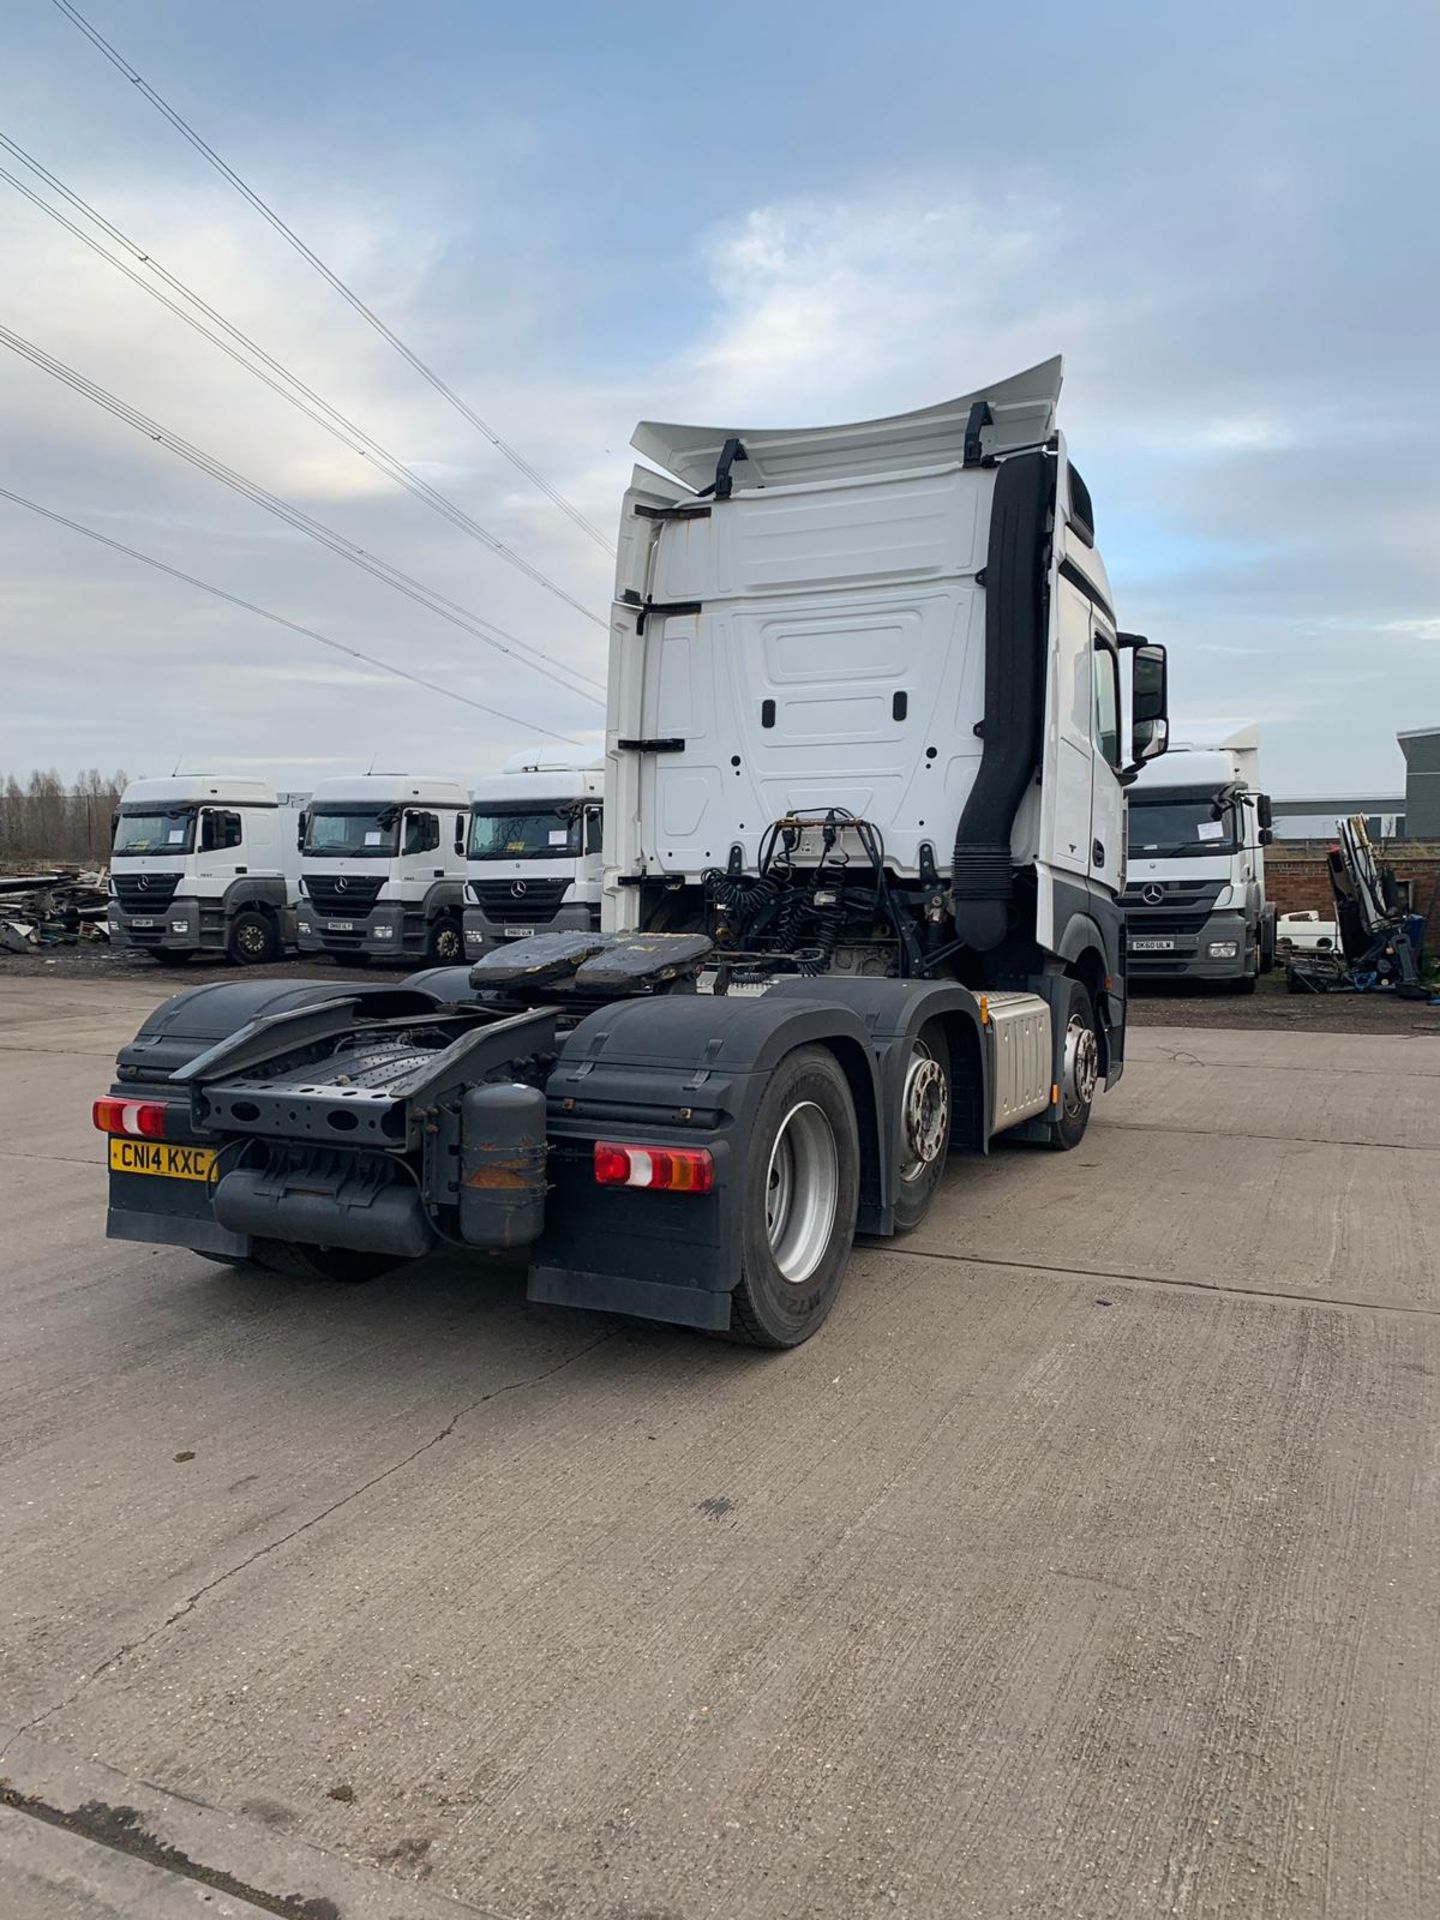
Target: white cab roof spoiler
x=1022, y=414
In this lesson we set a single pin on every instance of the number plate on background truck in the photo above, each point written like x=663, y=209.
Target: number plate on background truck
x=1152, y=946
x=517, y=933
x=154, y=1156
x=340, y=926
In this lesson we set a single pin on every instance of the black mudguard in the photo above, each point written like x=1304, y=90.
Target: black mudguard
x=691, y=1070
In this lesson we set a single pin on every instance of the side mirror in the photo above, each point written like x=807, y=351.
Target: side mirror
x=1150, y=738
x=1149, y=689
x=1264, y=812
x=1265, y=835
x=460, y=834
x=302, y=823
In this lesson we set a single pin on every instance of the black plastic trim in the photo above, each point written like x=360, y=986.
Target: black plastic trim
x=1015, y=624
x=1069, y=571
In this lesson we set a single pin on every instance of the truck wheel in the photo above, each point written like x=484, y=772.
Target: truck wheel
x=446, y=944
x=322, y=1263
x=253, y=941
x=924, y=1125
x=1081, y=1072
x=800, y=1197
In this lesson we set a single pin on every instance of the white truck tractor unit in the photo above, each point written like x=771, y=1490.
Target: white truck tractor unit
x=1195, y=906
x=864, y=835
x=534, y=859
x=203, y=863
x=382, y=871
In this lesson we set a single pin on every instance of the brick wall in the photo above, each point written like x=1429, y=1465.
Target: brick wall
x=1296, y=878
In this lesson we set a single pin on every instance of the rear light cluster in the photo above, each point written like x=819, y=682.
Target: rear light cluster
x=661, y=1169
x=135, y=1119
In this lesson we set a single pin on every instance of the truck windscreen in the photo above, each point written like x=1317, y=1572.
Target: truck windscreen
x=362, y=834
x=522, y=834
x=137, y=833
x=1171, y=829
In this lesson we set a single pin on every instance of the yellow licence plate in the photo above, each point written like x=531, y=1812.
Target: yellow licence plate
x=155, y=1156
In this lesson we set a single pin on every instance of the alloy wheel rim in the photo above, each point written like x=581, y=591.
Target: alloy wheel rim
x=1082, y=1065
x=802, y=1192
x=925, y=1112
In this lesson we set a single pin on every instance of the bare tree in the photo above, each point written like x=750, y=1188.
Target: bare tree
x=43, y=822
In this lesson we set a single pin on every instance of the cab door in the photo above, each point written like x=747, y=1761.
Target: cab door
x=221, y=844
x=1107, y=797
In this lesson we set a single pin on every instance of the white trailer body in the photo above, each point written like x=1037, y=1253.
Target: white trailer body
x=383, y=868
x=204, y=863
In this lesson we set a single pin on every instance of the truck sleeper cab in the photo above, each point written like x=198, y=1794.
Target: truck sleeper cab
x=203, y=864
x=533, y=854
x=382, y=869
x=863, y=816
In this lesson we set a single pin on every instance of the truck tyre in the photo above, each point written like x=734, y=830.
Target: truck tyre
x=924, y=1125
x=343, y=1264
x=801, y=1189
x=253, y=941
x=1080, y=1074
x=1267, y=940
x=445, y=946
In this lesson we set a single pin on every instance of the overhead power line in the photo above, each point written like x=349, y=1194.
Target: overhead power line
x=347, y=293
x=329, y=417
x=277, y=619
x=296, y=517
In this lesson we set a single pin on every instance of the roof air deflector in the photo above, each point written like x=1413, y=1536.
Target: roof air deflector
x=1022, y=414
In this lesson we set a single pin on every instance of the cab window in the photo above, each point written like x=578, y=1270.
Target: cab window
x=1107, y=700
x=422, y=832
x=219, y=829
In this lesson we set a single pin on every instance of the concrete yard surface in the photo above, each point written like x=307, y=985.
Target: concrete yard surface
x=1084, y=1567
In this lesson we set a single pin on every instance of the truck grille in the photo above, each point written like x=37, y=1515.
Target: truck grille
x=1183, y=907
x=535, y=902
x=145, y=892
x=1196, y=897
x=345, y=894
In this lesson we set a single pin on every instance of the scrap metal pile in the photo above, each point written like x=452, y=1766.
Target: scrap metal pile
x=1381, y=941
x=54, y=909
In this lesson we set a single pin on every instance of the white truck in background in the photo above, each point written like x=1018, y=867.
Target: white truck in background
x=204, y=863
x=1194, y=900
x=533, y=857
x=382, y=868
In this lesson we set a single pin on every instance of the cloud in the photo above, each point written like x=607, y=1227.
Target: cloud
x=1232, y=277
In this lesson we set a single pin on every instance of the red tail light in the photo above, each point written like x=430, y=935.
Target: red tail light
x=135, y=1119
x=661, y=1169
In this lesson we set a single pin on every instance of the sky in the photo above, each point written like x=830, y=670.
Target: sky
x=581, y=216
